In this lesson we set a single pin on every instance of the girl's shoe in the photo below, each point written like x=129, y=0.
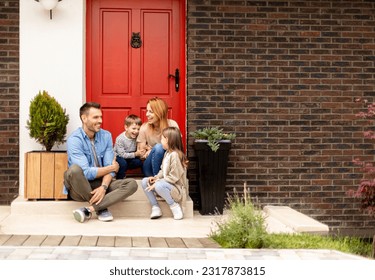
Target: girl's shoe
x=155, y=212
x=177, y=211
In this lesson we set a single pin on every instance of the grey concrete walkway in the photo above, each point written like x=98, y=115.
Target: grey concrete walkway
x=112, y=253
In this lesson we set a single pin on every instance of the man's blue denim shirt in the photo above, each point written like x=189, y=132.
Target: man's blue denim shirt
x=80, y=152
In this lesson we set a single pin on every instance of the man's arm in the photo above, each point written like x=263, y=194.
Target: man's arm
x=79, y=154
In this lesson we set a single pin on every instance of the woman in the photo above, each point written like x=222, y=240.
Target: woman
x=149, y=138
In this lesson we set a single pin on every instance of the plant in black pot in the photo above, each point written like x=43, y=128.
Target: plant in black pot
x=212, y=147
x=47, y=124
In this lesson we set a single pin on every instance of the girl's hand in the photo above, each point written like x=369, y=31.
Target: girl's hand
x=150, y=187
x=151, y=180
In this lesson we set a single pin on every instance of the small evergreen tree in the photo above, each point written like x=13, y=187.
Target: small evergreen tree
x=47, y=121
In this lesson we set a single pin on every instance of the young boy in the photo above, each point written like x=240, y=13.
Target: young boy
x=125, y=147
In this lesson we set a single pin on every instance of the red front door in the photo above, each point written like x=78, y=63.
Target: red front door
x=122, y=76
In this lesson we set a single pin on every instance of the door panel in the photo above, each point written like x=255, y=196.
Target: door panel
x=122, y=78
x=115, y=54
x=156, y=54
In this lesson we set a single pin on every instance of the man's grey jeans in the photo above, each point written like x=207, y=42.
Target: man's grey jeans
x=80, y=188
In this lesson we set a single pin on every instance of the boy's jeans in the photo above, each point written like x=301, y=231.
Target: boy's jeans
x=125, y=164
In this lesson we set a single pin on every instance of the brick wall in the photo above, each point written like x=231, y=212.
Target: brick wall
x=283, y=75
x=9, y=100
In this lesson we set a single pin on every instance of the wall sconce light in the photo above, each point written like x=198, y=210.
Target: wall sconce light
x=49, y=5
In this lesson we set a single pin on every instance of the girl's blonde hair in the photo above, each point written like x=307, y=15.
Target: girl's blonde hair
x=173, y=134
x=160, y=108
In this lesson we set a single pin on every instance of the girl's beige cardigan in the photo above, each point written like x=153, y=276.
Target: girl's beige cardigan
x=176, y=176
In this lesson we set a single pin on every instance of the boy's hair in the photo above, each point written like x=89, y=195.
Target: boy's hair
x=175, y=143
x=85, y=108
x=133, y=119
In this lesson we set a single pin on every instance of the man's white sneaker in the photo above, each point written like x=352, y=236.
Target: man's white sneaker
x=177, y=211
x=155, y=212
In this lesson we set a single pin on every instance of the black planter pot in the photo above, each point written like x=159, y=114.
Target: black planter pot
x=212, y=175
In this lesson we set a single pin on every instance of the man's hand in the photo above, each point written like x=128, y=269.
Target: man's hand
x=97, y=195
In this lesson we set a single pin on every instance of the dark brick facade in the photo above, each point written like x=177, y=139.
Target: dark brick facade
x=9, y=100
x=283, y=75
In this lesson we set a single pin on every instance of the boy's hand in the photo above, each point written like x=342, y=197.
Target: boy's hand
x=140, y=153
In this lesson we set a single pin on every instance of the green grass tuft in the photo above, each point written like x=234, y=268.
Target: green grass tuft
x=244, y=227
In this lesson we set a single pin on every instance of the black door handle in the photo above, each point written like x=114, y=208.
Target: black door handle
x=176, y=77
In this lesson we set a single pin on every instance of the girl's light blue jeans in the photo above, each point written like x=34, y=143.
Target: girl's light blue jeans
x=152, y=163
x=162, y=188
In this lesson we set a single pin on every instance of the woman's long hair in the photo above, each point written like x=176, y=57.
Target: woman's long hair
x=173, y=134
x=160, y=108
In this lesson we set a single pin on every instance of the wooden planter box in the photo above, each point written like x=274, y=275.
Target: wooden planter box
x=44, y=175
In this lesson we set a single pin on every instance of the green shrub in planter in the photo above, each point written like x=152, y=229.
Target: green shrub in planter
x=213, y=136
x=48, y=121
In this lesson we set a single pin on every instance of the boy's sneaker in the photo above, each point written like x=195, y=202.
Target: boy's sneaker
x=177, y=211
x=82, y=214
x=155, y=212
x=104, y=215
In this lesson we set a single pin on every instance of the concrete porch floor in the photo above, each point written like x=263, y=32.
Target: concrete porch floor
x=131, y=218
x=197, y=226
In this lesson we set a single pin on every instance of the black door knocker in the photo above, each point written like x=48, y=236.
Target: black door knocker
x=136, y=41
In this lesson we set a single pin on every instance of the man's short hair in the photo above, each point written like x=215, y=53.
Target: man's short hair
x=85, y=108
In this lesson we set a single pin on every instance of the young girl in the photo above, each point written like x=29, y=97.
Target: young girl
x=171, y=182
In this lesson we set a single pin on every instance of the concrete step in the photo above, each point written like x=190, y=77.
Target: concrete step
x=295, y=221
x=135, y=206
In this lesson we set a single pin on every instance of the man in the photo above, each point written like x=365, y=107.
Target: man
x=92, y=168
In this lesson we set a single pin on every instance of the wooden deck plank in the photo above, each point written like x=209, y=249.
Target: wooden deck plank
x=192, y=243
x=4, y=238
x=140, y=242
x=52, y=240
x=208, y=243
x=106, y=241
x=16, y=240
x=158, y=242
x=88, y=241
x=123, y=241
x=34, y=240
x=71, y=240
x=175, y=242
